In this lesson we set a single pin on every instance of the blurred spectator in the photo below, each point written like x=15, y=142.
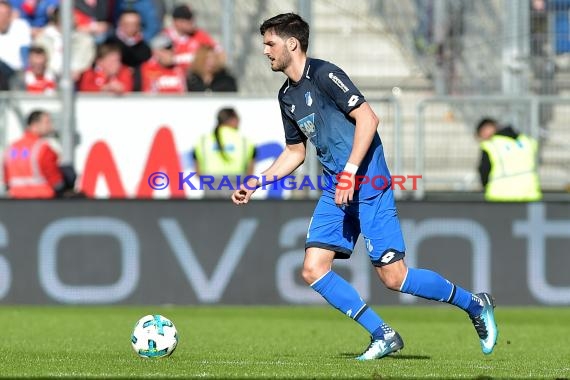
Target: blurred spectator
x=15, y=39
x=224, y=152
x=37, y=78
x=560, y=10
x=151, y=13
x=93, y=17
x=508, y=166
x=35, y=12
x=160, y=74
x=31, y=167
x=82, y=47
x=134, y=50
x=423, y=34
x=187, y=37
x=108, y=74
x=209, y=74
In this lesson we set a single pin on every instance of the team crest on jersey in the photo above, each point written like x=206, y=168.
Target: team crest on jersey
x=308, y=98
x=307, y=125
x=293, y=108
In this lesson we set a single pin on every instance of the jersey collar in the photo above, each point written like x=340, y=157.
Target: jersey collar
x=306, y=74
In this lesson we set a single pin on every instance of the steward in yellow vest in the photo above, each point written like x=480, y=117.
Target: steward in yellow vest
x=508, y=166
x=224, y=152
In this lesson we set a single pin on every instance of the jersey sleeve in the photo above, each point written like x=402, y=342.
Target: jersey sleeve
x=338, y=86
x=293, y=134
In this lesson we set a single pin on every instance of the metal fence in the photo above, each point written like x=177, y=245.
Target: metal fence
x=485, y=46
x=447, y=154
x=438, y=143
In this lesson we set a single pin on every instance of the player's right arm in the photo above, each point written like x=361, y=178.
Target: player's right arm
x=290, y=159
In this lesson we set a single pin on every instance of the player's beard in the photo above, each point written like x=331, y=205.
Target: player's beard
x=283, y=63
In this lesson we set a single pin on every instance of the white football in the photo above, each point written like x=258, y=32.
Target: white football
x=154, y=336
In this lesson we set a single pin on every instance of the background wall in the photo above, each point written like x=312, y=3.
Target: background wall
x=194, y=252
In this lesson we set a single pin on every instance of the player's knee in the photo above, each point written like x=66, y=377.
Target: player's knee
x=312, y=272
x=392, y=282
x=309, y=274
x=316, y=264
x=393, y=275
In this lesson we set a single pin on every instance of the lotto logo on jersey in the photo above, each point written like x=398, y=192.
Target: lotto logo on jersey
x=307, y=125
x=353, y=100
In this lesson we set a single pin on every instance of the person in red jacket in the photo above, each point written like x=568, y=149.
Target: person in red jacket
x=109, y=74
x=160, y=74
x=31, y=167
x=187, y=37
x=37, y=78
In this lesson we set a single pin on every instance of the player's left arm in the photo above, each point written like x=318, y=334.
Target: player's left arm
x=365, y=129
x=348, y=98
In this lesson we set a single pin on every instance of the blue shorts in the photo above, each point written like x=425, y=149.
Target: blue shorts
x=337, y=229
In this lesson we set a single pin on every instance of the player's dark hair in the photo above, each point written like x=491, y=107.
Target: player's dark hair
x=35, y=116
x=288, y=25
x=483, y=121
x=224, y=115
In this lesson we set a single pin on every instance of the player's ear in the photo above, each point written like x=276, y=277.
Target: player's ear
x=292, y=43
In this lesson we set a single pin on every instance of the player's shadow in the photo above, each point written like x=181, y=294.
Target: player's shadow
x=393, y=356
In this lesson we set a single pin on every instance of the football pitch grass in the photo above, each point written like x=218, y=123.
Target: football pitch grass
x=280, y=342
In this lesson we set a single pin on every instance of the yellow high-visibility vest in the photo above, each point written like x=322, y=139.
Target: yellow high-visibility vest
x=513, y=176
x=238, y=150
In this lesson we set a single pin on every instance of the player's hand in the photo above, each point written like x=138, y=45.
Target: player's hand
x=344, y=189
x=244, y=193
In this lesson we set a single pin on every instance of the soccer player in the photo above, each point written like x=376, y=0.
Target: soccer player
x=320, y=103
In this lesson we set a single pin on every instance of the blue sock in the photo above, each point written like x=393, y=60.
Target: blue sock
x=428, y=284
x=344, y=297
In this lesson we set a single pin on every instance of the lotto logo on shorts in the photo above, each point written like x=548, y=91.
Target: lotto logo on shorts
x=387, y=257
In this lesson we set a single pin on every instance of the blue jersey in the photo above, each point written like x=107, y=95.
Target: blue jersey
x=317, y=108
